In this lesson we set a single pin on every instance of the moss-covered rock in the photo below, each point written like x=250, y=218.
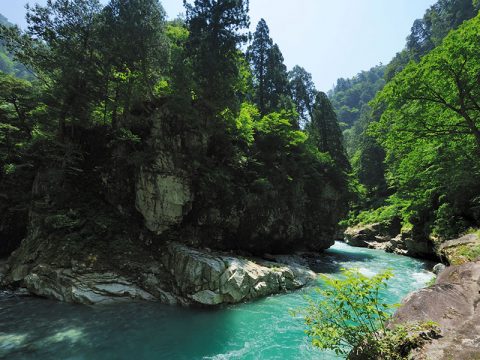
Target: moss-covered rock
x=461, y=250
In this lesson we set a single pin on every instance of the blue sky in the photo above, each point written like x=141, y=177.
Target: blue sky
x=330, y=38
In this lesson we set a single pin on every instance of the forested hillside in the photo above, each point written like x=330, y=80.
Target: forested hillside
x=7, y=64
x=350, y=96
x=415, y=147
x=125, y=108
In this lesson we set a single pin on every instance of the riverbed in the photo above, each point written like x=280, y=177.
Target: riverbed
x=34, y=328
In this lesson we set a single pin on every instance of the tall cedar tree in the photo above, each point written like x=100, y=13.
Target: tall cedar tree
x=277, y=80
x=303, y=92
x=269, y=71
x=257, y=55
x=325, y=132
x=215, y=35
x=134, y=52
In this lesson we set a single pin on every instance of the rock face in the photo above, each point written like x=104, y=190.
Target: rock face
x=460, y=251
x=452, y=303
x=182, y=194
x=389, y=237
x=175, y=275
x=133, y=225
x=371, y=235
x=162, y=200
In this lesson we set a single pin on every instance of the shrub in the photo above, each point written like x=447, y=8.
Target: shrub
x=350, y=314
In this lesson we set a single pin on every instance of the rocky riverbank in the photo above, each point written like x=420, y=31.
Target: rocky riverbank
x=389, y=236
x=174, y=274
x=452, y=303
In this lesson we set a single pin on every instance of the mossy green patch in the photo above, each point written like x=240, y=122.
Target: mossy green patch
x=463, y=253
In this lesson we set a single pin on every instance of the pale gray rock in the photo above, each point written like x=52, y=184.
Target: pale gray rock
x=182, y=275
x=207, y=277
x=437, y=269
x=162, y=199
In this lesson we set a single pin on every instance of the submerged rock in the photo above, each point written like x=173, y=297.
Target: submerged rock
x=453, y=304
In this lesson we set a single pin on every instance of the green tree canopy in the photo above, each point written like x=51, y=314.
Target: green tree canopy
x=271, y=84
x=429, y=128
x=324, y=131
x=303, y=91
x=215, y=35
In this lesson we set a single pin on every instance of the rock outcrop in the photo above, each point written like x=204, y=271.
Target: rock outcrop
x=133, y=226
x=452, y=303
x=372, y=235
x=182, y=193
x=176, y=274
x=388, y=236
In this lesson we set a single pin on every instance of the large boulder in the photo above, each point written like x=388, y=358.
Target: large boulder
x=214, y=278
x=453, y=304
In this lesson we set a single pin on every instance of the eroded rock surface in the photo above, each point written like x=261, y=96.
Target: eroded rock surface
x=452, y=303
x=176, y=275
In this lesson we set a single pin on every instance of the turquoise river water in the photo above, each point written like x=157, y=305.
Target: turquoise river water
x=32, y=328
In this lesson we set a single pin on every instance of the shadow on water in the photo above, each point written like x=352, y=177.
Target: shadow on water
x=34, y=328
x=332, y=260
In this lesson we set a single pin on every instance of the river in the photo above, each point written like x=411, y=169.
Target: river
x=33, y=328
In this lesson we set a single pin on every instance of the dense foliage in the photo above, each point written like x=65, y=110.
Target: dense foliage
x=104, y=74
x=350, y=96
x=412, y=149
x=7, y=64
x=430, y=131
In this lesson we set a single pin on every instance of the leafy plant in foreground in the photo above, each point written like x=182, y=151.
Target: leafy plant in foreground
x=350, y=318
x=348, y=312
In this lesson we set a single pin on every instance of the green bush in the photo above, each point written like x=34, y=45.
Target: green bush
x=350, y=319
x=447, y=223
x=349, y=312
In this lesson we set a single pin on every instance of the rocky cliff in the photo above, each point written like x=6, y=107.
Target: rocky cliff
x=132, y=220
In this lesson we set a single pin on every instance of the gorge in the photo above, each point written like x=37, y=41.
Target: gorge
x=170, y=189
